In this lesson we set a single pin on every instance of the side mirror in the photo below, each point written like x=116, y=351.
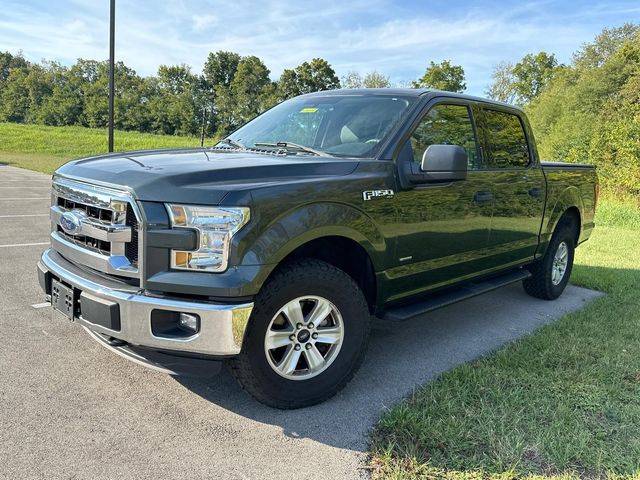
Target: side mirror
x=444, y=163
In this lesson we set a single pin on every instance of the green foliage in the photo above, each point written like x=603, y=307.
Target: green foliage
x=590, y=112
x=308, y=77
x=532, y=74
x=372, y=79
x=230, y=91
x=442, y=76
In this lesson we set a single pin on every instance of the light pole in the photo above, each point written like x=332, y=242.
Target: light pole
x=112, y=33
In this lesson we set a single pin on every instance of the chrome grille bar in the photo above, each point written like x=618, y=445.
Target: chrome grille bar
x=105, y=233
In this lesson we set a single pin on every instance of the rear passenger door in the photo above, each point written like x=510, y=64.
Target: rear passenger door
x=518, y=185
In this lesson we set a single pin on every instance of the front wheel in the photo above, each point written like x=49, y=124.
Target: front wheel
x=550, y=275
x=306, y=337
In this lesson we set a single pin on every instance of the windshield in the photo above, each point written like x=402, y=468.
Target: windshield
x=339, y=125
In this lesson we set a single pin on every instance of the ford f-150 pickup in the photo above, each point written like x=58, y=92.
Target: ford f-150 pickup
x=273, y=249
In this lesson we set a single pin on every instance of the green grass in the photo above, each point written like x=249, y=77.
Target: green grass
x=563, y=402
x=43, y=148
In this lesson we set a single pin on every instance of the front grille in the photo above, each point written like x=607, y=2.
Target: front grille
x=95, y=226
x=131, y=248
x=93, y=244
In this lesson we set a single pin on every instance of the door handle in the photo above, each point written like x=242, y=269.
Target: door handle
x=535, y=192
x=481, y=198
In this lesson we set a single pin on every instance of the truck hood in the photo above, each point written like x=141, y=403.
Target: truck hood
x=199, y=175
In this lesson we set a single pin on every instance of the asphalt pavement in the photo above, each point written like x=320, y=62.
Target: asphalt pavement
x=71, y=409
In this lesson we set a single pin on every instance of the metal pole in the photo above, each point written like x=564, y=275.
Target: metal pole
x=112, y=34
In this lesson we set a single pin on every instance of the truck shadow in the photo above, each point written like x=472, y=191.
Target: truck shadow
x=401, y=357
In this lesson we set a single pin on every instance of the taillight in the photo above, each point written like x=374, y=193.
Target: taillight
x=596, y=190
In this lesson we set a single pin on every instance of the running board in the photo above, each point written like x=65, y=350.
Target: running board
x=456, y=294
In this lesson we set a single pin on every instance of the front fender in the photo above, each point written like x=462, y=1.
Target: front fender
x=309, y=222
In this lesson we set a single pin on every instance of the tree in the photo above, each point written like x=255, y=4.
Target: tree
x=8, y=62
x=372, y=79
x=442, y=76
x=594, y=54
x=532, y=73
x=308, y=77
x=588, y=112
x=14, y=97
x=502, y=88
x=352, y=79
x=250, y=93
x=173, y=106
x=375, y=79
x=220, y=68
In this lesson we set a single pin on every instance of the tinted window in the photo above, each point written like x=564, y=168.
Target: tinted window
x=506, y=142
x=445, y=125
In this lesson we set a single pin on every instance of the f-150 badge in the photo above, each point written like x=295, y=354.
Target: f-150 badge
x=369, y=194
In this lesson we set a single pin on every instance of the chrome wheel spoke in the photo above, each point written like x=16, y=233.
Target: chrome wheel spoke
x=315, y=360
x=289, y=361
x=277, y=338
x=320, y=312
x=329, y=335
x=293, y=312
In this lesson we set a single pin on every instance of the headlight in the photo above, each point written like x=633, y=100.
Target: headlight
x=215, y=227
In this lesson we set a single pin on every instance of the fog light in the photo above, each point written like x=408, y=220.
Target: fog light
x=189, y=322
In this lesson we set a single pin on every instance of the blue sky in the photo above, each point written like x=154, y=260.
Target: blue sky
x=397, y=38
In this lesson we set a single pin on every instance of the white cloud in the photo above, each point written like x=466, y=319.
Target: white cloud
x=203, y=21
x=395, y=39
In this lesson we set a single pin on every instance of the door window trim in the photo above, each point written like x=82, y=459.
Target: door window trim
x=510, y=111
x=423, y=113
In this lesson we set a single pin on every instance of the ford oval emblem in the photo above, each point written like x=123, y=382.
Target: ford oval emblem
x=71, y=222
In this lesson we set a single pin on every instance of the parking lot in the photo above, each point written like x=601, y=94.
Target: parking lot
x=72, y=409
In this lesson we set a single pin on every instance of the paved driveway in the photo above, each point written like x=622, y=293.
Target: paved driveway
x=71, y=409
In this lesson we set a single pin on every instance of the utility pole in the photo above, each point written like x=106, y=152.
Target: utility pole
x=112, y=34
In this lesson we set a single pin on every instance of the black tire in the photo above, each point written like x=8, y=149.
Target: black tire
x=307, y=277
x=540, y=284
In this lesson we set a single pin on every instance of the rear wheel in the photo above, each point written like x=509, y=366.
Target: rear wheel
x=550, y=274
x=306, y=338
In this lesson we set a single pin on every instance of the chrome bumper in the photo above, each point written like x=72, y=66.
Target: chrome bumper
x=222, y=326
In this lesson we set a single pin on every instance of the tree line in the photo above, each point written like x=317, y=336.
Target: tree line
x=585, y=111
x=230, y=90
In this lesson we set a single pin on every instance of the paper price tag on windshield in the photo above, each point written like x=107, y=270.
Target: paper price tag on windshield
x=309, y=110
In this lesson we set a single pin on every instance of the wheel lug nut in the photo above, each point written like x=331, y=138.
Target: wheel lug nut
x=307, y=346
x=297, y=347
x=310, y=325
x=299, y=326
x=292, y=337
x=314, y=335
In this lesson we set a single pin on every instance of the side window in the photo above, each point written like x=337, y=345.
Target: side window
x=446, y=125
x=506, y=141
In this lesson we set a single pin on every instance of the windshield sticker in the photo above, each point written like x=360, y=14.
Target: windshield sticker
x=309, y=110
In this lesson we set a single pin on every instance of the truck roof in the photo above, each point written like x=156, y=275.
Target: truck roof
x=407, y=92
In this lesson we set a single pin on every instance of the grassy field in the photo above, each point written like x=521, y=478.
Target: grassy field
x=43, y=148
x=561, y=403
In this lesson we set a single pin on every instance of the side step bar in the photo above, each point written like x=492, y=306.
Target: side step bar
x=453, y=295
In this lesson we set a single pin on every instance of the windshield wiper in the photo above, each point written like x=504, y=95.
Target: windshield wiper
x=292, y=146
x=233, y=143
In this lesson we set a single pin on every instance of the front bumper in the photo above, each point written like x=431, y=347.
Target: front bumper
x=117, y=311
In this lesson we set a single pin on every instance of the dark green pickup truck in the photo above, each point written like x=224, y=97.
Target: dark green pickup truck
x=273, y=249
